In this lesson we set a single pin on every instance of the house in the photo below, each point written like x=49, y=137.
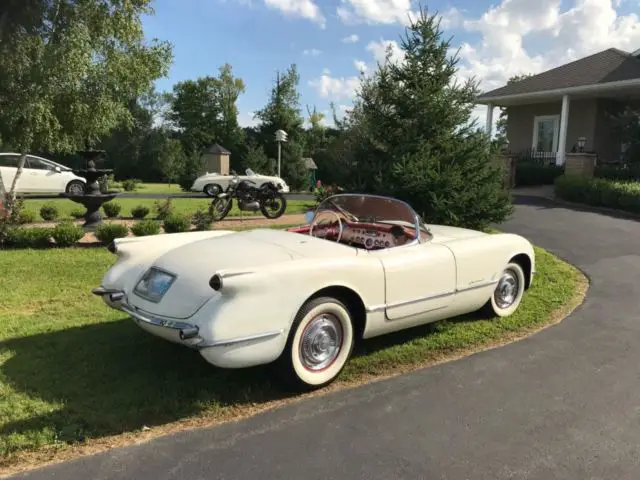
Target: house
x=548, y=113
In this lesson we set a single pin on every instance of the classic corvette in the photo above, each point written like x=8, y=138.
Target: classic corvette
x=363, y=266
x=214, y=183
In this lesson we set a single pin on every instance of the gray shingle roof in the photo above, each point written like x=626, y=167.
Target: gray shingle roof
x=309, y=163
x=215, y=148
x=611, y=65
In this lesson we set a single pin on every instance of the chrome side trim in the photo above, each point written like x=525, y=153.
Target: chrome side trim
x=239, y=340
x=378, y=308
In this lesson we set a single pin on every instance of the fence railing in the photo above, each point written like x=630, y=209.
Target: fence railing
x=534, y=156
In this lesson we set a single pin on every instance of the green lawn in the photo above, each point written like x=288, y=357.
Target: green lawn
x=73, y=370
x=182, y=205
x=161, y=188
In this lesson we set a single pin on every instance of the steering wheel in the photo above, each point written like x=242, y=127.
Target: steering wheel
x=318, y=219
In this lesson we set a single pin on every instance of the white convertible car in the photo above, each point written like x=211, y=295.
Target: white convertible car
x=364, y=266
x=214, y=183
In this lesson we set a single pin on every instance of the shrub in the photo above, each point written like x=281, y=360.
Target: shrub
x=112, y=209
x=530, y=174
x=202, y=220
x=599, y=192
x=176, y=223
x=108, y=232
x=49, y=212
x=145, y=227
x=77, y=213
x=139, y=212
x=620, y=173
x=130, y=184
x=321, y=192
x=163, y=208
x=66, y=233
x=34, y=237
x=25, y=216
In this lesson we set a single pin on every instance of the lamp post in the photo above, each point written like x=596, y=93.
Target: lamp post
x=281, y=136
x=582, y=141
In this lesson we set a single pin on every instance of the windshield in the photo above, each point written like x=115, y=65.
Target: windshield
x=249, y=172
x=372, y=209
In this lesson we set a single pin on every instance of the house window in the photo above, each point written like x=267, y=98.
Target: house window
x=546, y=129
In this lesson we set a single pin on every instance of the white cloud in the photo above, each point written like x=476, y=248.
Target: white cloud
x=336, y=88
x=381, y=48
x=361, y=66
x=313, y=52
x=344, y=88
x=353, y=38
x=375, y=11
x=299, y=8
x=326, y=71
x=520, y=36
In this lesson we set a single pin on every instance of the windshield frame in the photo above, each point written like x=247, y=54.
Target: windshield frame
x=418, y=224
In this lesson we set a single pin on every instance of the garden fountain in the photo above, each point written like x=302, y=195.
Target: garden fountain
x=93, y=197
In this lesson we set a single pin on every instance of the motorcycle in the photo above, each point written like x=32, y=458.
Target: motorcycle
x=267, y=198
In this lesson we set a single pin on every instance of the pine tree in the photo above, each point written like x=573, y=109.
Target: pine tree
x=283, y=112
x=413, y=137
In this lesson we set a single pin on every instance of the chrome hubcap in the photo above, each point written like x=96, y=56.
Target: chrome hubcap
x=76, y=189
x=321, y=341
x=507, y=289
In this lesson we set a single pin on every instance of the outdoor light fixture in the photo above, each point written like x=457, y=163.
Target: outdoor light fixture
x=581, y=143
x=281, y=136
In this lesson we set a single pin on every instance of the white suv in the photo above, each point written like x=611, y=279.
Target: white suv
x=40, y=175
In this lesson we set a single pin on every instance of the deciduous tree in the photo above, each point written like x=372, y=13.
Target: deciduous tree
x=68, y=68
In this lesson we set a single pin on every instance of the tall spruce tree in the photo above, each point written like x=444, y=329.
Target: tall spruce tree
x=413, y=138
x=283, y=112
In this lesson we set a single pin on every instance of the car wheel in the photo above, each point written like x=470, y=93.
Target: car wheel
x=212, y=189
x=75, y=187
x=320, y=343
x=508, y=294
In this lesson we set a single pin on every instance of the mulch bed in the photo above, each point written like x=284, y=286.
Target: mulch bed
x=89, y=238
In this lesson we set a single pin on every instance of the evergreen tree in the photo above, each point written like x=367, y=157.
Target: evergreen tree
x=282, y=112
x=413, y=138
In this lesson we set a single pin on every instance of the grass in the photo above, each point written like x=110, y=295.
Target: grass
x=74, y=373
x=142, y=188
x=181, y=205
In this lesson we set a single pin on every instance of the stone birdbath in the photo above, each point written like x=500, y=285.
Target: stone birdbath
x=93, y=198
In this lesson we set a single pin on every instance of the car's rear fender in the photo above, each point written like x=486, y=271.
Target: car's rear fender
x=267, y=300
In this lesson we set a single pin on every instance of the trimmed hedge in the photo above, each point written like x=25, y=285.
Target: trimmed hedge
x=599, y=192
x=610, y=172
x=533, y=174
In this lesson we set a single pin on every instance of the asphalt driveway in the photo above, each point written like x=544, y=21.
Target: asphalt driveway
x=562, y=404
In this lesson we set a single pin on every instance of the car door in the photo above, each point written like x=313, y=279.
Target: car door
x=38, y=176
x=8, y=168
x=50, y=178
x=420, y=280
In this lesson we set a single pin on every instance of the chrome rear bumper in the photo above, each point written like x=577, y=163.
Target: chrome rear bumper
x=187, y=332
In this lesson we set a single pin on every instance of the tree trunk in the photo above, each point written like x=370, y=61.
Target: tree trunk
x=11, y=197
x=3, y=197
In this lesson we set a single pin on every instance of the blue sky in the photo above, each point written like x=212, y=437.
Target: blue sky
x=260, y=36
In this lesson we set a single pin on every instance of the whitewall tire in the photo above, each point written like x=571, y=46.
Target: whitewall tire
x=320, y=343
x=508, y=293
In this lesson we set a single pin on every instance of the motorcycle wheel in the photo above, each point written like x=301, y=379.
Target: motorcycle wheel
x=220, y=208
x=274, y=207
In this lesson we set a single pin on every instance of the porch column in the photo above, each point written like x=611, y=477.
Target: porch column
x=562, y=137
x=489, y=119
